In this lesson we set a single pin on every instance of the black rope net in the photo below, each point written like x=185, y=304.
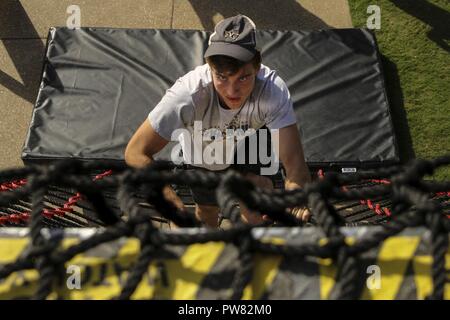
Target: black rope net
x=401, y=197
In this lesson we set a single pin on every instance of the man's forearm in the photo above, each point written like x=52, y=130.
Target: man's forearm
x=297, y=173
x=292, y=156
x=141, y=161
x=138, y=161
x=297, y=179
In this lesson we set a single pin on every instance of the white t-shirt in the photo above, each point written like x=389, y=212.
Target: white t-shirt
x=192, y=104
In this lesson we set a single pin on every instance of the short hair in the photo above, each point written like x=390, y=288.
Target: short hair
x=225, y=64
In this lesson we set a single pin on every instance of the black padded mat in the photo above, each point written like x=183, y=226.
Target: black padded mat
x=99, y=84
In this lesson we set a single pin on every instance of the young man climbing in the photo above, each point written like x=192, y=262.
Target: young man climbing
x=232, y=91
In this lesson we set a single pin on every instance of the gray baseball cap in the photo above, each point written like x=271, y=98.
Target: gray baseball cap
x=234, y=37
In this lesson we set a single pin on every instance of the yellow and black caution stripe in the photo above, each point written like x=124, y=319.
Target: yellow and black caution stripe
x=400, y=268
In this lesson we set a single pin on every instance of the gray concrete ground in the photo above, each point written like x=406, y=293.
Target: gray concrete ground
x=24, y=25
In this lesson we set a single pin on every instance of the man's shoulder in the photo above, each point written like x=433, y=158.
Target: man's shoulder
x=196, y=79
x=270, y=84
x=269, y=76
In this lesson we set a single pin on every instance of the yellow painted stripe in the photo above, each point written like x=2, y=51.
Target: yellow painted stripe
x=186, y=274
x=422, y=276
x=117, y=271
x=447, y=268
x=18, y=285
x=393, y=259
x=264, y=272
x=10, y=249
x=131, y=246
x=14, y=285
x=94, y=288
x=327, y=270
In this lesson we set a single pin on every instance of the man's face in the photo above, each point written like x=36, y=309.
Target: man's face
x=234, y=89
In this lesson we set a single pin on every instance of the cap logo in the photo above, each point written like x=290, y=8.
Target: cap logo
x=233, y=34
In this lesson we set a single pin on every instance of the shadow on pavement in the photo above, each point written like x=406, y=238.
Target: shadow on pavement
x=267, y=14
x=27, y=59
